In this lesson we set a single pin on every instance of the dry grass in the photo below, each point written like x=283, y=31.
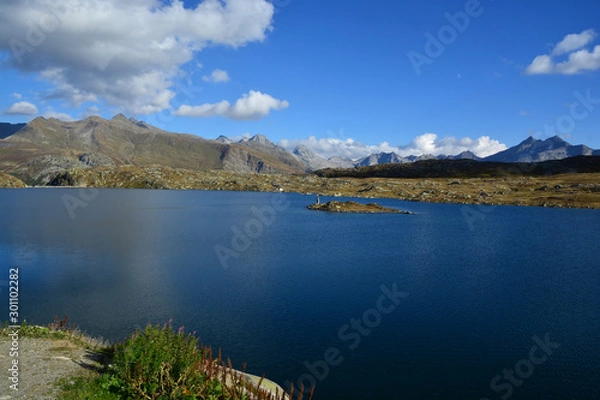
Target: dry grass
x=9, y=181
x=567, y=190
x=575, y=190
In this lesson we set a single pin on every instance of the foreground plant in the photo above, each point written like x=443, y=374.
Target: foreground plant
x=161, y=363
x=157, y=362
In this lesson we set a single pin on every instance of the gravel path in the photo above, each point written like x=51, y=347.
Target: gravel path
x=41, y=363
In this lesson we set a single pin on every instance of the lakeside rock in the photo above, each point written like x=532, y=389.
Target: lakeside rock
x=355, y=207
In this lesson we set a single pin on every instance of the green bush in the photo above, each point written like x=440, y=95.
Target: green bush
x=157, y=363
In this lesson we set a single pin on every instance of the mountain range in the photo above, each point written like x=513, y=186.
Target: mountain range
x=39, y=150
x=35, y=152
x=535, y=150
x=530, y=150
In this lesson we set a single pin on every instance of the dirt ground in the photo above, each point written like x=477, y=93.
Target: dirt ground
x=41, y=362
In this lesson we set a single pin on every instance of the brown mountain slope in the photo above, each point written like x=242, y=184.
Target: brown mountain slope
x=8, y=181
x=47, y=146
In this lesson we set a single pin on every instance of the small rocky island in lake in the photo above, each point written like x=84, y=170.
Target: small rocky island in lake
x=354, y=207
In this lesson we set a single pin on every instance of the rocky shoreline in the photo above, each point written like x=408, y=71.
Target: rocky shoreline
x=577, y=190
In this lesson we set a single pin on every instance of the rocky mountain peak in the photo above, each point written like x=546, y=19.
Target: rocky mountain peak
x=556, y=140
x=223, y=139
x=120, y=117
x=465, y=155
x=261, y=139
x=301, y=150
x=381, y=158
x=95, y=118
x=37, y=121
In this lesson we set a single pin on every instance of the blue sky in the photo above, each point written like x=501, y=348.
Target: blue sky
x=343, y=77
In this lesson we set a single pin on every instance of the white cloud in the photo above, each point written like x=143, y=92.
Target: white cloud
x=217, y=76
x=540, y=65
x=578, y=60
x=205, y=110
x=251, y=106
x=22, y=108
x=126, y=53
x=485, y=146
x=427, y=143
x=17, y=96
x=50, y=113
x=574, y=42
x=93, y=110
x=237, y=138
x=61, y=116
x=328, y=147
x=255, y=105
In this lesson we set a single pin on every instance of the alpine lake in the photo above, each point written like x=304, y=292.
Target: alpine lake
x=451, y=302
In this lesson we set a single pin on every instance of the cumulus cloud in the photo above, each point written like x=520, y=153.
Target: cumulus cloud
x=58, y=115
x=540, y=65
x=22, y=108
x=89, y=111
x=427, y=143
x=251, y=106
x=574, y=41
x=578, y=59
x=217, y=76
x=127, y=53
x=328, y=147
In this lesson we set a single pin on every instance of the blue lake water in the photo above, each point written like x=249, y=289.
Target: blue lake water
x=450, y=303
